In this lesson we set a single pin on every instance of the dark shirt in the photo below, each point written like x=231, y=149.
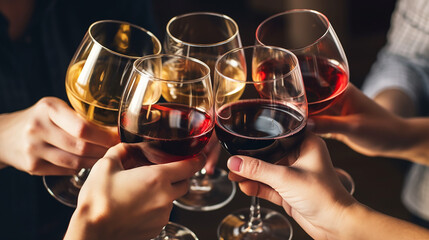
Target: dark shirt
x=33, y=67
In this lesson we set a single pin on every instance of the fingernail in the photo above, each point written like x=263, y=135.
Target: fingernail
x=234, y=163
x=310, y=124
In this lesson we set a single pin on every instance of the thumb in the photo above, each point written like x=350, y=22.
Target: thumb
x=257, y=170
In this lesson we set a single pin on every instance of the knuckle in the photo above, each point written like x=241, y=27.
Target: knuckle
x=33, y=127
x=253, y=167
x=80, y=147
x=80, y=128
x=32, y=166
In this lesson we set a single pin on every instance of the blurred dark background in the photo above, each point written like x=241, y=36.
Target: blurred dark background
x=361, y=26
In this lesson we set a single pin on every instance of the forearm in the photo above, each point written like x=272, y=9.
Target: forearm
x=417, y=131
x=363, y=223
x=6, y=121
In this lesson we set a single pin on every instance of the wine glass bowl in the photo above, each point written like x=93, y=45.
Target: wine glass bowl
x=205, y=36
x=167, y=110
x=95, y=80
x=311, y=37
x=266, y=121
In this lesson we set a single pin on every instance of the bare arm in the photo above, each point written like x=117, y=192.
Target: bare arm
x=363, y=223
x=368, y=128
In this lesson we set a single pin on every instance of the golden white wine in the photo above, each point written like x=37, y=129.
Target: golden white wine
x=97, y=102
x=197, y=93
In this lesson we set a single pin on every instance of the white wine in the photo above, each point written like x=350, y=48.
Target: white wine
x=92, y=99
x=197, y=93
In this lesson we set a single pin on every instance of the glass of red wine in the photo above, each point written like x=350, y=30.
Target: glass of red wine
x=205, y=36
x=266, y=121
x=311, y=37
x=167, y=108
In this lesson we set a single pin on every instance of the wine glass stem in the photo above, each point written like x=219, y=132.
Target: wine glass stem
x=162, y=235
x=255, y=220
x=80, y=178
x=200, y=181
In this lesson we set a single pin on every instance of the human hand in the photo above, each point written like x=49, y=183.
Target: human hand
x=50, y=138
x=364, y=126
x=308, y=189
x=129, y=204
x=212, y=151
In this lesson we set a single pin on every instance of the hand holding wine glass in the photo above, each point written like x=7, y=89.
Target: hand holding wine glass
x=50, y=138
x=370, y=129
x=167, y=109
x=266, y=121
x=294, y=186
x=95, y=80
x=109, y=206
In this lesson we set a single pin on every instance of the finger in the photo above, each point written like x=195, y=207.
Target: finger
x=63, y=140
x=235, y=178
x=212, y=158
x=257, y=189
x=49, y=169
x=179, y=189
x=329, y=124
x=257, y=170
x=64, y=159
x=178, y=171
x=66, y=118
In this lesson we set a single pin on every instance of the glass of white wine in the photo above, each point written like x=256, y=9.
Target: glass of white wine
x=205, y=36
x=95, y=80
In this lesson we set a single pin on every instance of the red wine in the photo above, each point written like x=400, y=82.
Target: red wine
x=324, y=81
x=166, y=132
x=260, y=128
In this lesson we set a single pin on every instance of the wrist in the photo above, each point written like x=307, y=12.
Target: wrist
x=80, y=227
x=352, y=217
x=416, y=137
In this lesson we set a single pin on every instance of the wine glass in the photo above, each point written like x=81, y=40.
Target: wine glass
x=95, y=80
x=266, y=122
x=205, y=36
x=311, y=37
x=167, y=108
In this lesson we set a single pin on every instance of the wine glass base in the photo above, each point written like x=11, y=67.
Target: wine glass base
x=174, y=231
x=62, y=188
x=275, y=226
x=346, y=180
x=212, y=192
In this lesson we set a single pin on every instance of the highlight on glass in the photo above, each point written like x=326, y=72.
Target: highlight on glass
x=266, y=120
x=167, y=110
x=205, y=36
x=95, y=80
x=311, y=37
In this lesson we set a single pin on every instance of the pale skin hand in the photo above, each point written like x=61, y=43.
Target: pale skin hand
x=311, y=193
x=128, y=204
x=50, y=138
x=370, y=129
x=295, y=188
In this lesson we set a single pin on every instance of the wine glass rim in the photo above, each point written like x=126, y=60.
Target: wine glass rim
x=154, y=78
x=295, y=60
x=158, y=43
x=304, y=10
x=232, y=37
